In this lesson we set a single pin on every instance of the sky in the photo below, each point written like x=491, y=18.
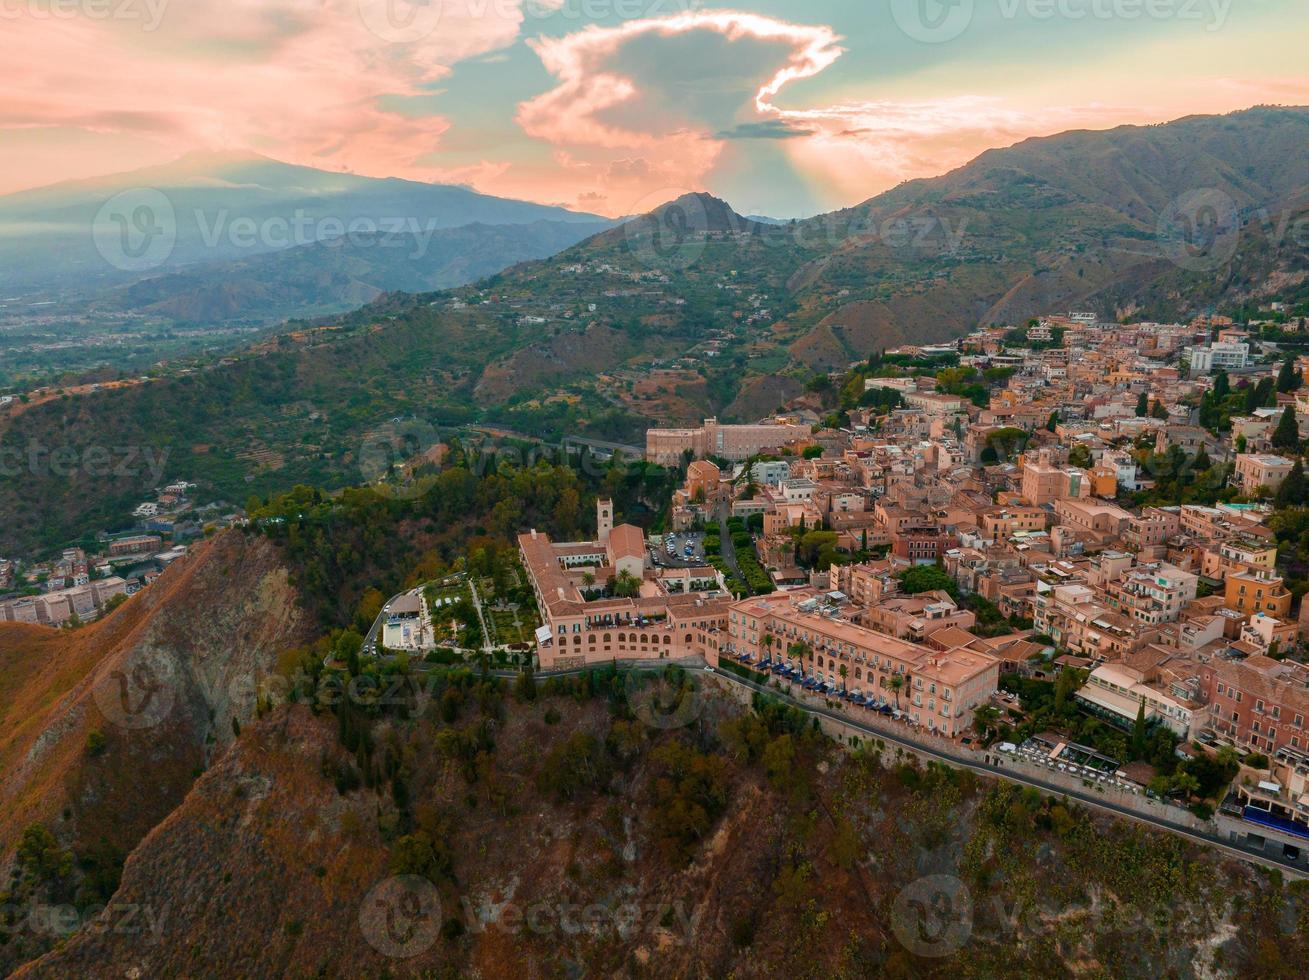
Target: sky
x=783, y=108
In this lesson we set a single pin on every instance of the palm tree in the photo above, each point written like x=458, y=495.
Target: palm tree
x=844, y=672
x=896, y=683
x=627, y=585
x=983, y=718
x=768, y=645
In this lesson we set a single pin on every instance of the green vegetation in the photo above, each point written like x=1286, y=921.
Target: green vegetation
x=927, y=578
x=1050, y=706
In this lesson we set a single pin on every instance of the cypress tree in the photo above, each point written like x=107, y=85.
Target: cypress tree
x=1288, y=378
x=1292, y=491
x=1287, y=433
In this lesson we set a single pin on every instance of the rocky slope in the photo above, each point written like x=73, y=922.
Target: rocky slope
x=104, y=729
x=581, y=834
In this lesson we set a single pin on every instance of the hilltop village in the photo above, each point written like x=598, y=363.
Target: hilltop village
x=1090, y=507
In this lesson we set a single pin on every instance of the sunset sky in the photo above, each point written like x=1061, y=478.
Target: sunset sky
x=782, y=107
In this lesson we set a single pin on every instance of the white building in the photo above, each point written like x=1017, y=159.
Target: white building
x=1220, y=355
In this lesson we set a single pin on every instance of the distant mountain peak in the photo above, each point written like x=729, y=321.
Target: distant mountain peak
x=700, y=211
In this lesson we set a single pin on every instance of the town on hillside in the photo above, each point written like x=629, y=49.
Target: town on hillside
x=84, y=582
x=1058, y=543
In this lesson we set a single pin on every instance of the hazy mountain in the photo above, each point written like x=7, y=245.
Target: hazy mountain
x=344, y=273
x=77, y=238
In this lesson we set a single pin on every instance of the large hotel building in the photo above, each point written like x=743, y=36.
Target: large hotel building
x=678, y=612
x=939, y=688
x=686, y=612
x=731, y=442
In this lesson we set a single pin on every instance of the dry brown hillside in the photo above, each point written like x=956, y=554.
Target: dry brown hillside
x=104, y=729
x=565, y=837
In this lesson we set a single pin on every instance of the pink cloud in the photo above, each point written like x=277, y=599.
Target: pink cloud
x=297, y=79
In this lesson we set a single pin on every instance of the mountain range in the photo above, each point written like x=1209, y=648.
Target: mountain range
x=213, y=237
x=693, y=310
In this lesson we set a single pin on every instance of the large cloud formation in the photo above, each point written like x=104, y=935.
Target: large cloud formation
x=719, y=77
x=635, y=112
x=302, y=80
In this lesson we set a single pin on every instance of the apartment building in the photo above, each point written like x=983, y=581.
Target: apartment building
x=1257, y=591
x=1120, y=691
x=1259, y=703
x=1044, y=482
x=139, y=544
x=1152, y=594
x=1255, y=470
x=85, y=601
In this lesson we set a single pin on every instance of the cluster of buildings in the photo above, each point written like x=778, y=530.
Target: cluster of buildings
x=68, y=594
x=75, y=587
x=1177, y=613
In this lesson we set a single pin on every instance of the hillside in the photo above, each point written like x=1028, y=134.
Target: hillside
x=558, y=835
x=693, y=310
x=104, y=729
